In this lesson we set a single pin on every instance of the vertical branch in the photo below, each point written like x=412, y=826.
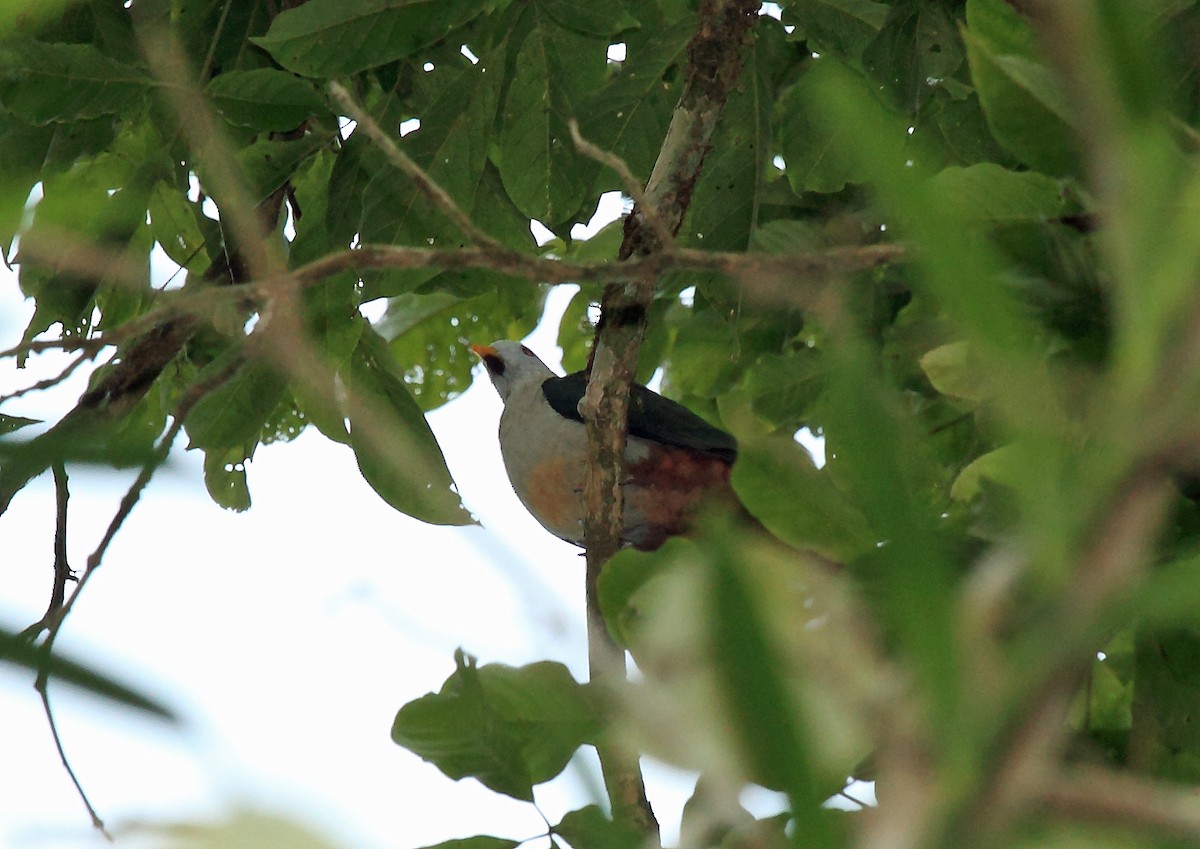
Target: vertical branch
x=62, y=569
x=714, y=62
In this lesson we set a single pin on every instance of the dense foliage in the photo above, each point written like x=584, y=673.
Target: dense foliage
x=1008, y=395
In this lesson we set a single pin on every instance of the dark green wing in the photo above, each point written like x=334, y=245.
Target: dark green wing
x=651, y=416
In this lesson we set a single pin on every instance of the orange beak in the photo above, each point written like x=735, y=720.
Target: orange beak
x=483, y=351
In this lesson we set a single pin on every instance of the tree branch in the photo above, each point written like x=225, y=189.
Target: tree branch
x=714, y=62
x=633, y=188
x=1098, y=795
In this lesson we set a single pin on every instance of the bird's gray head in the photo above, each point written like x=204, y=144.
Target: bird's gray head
x=511, y=364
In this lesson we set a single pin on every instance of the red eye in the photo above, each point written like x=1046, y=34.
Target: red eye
x=528, y=352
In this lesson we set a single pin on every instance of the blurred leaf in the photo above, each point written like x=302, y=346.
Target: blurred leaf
x=623, y=575
x=244, y=830
x=1002, y=466
x=265, y=99
x=408, y=471
x=510, y=728
x=988, y=193
x=948, y=369
x=767, y=718
x=368, y=33
x=1166, y=727
x=819, y=150
x=19, y=651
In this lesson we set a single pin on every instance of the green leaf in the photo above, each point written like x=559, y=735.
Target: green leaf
x=783, y=387
x=10, y=423
x=179, y=226
x=233, y=413
x=915, y=50
x=1004, y=466
x=265, y=99
x=334, y=327
x=1167, y=664
x=481, y=841
x=819, y=149
x=593, y=17
x=1025, y=103
x=396, y=451
x=43, y=83
x=987, y=193
x=19, y=651
x=331, y=38
x=623, y=575
x=431, y=334
x=630, y=113
x=948, y=369
x=451, y=144
x=225, y=478
x=269, y=163
x=724, y=206
x=538, y=162
x=780, y=486
x=590, y=828
x=743, y=608
x=510, y=728
x=843, y=27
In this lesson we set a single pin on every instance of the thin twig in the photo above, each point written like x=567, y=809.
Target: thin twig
x=774, y=279
x=98, y=823
x=633, y=188
x=62, y=569
x=49, y=382
x=438, y=196
x=66, y=343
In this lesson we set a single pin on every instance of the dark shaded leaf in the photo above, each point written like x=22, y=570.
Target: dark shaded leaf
x=330, y=38
x=42, y=83
x=265, y=99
